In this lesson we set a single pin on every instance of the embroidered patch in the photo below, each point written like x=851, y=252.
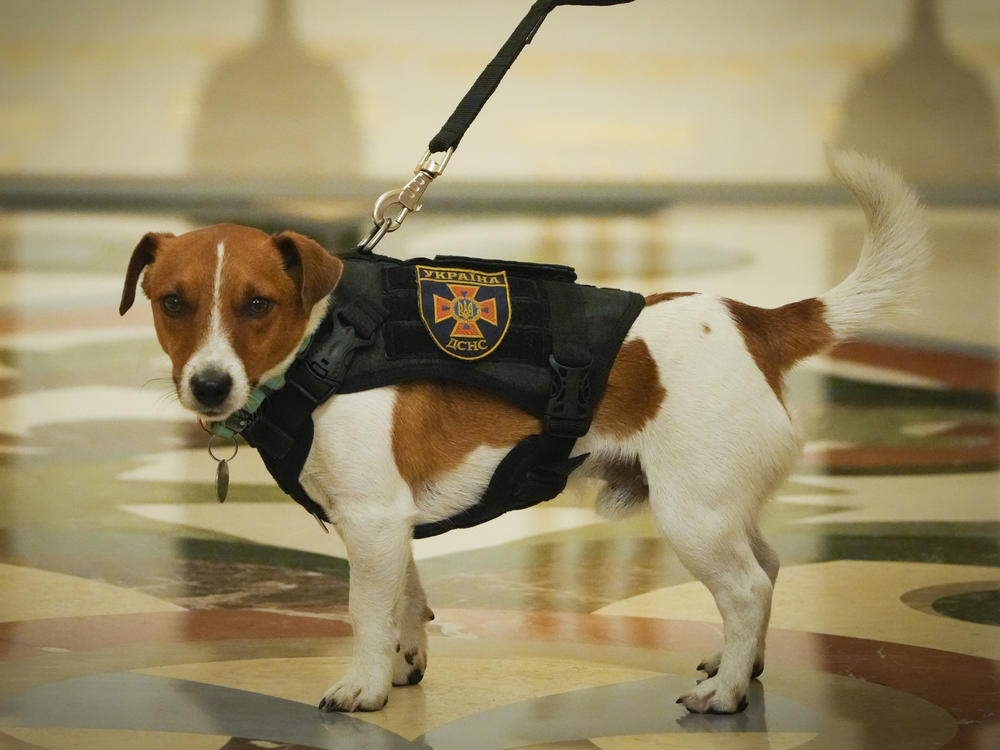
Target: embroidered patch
x=466, y=312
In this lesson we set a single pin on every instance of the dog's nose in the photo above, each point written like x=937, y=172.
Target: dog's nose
x=211, y=387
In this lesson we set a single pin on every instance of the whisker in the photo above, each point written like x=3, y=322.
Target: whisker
x=169, y=390
x=170, y=396
x=166, y=382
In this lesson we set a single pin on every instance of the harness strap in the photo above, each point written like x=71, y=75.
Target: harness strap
x=569, y=408
x=535, y=470
x=314, y=377
x=470, y=106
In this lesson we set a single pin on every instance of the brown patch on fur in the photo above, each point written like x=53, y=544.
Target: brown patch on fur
x=142, y=256
x=184, y=266
x=633, y=394
x=261, y=343
x=655, y=299
x=706, y=328
x=780, y=337
x=294, y=277
x=314, y=271
x=436, y=425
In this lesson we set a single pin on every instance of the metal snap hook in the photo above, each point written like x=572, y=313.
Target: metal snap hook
x=375, y=236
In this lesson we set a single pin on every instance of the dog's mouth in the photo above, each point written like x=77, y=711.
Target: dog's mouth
x=213, y=415
x=210, y=412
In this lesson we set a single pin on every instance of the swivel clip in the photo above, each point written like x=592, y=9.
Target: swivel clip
x=393, y=206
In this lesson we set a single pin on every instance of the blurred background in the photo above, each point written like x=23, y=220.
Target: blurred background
x=648, y=91
x=118, y=117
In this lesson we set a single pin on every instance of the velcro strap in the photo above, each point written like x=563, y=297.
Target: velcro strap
x=364, y=315
x=523, y=343
x=550, y=271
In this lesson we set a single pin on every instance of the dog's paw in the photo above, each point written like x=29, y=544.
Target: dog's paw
x=711, y=697
x=410, y=660
x=710, y=666
x=349, y=695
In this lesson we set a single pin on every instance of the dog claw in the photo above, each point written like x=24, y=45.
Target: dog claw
x=356, y=702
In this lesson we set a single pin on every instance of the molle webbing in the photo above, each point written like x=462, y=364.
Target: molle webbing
x=550, y=345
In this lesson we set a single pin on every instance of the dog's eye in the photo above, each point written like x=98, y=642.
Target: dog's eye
x=258, y=307
x=173, y=305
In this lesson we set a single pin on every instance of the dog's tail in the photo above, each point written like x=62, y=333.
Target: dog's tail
x=894, y=256
x=895, y=252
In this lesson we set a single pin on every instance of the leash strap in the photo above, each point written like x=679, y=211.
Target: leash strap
x=451, y=133
x=393, y=206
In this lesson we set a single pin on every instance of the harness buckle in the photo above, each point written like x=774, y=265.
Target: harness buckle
x=567, y=413
x=320, y=373
x=312, y=380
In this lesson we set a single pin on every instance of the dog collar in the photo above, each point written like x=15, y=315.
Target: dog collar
x=241, y=419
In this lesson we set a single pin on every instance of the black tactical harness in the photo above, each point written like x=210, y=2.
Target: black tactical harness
x=552, y=362
x=522, y=331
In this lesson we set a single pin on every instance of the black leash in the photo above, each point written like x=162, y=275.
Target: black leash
x=470, y=106
x=393, y=206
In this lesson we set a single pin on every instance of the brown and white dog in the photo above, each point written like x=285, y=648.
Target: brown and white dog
x=692, y=422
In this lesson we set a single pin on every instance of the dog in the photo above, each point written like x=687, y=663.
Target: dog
x=692, y=423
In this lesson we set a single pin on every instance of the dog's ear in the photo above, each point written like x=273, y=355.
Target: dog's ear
x=310, y=265
x=142, y=256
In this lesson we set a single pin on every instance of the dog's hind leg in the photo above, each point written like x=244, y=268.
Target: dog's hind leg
x=768, y=560
x=713, y=541
x=412, y=614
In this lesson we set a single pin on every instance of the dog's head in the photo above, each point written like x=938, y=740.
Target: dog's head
x=231, y=305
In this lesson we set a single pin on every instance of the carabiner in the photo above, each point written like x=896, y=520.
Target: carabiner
x=395, y=205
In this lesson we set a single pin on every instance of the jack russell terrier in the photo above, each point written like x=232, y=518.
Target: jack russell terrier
x=692, y=422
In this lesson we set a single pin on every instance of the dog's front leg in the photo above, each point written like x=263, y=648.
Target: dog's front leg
x=379, y=554
x=412, y=614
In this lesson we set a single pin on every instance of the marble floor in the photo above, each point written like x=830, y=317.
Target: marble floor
x=137, y=612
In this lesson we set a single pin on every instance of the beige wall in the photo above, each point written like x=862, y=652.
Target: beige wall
x=653, y=90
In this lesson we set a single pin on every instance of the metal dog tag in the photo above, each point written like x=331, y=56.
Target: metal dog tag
x=222, y=470
x=222, y=481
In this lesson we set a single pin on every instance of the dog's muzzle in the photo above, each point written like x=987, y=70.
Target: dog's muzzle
x=211, y=387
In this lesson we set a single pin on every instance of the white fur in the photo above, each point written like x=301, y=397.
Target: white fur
x=316, y=316
x=895, y=253
x=216, y=352
x=718, y=446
